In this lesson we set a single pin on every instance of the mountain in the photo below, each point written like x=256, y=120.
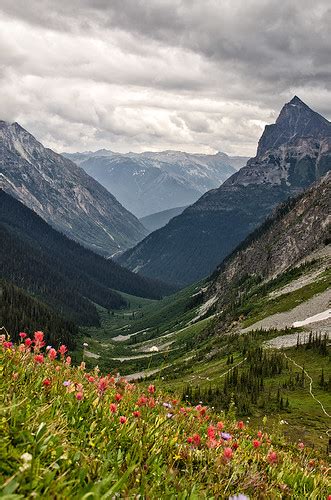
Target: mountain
x=63, y=194
x=151, y=182
x=155, y=221
x=291, y=155
x=59, y=271
x=290, y=237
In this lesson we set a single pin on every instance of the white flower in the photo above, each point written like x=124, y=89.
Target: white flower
x=26, y=457
x=85, y=344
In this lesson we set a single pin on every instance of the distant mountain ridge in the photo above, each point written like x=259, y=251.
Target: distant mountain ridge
x=59, y=271
x=156, y=221
x=63, y=194
x=151, y=182
x=190, y=246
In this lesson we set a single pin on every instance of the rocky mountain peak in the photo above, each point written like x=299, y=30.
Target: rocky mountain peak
x=296, y=119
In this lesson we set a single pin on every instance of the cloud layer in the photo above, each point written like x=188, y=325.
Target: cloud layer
x=195, y=75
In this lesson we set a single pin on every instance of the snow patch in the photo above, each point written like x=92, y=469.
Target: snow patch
x=313, y=319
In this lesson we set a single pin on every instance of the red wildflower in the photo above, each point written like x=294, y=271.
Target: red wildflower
x=39, y=358
x=211, y=432
x=28, y=342
x=301, y=445
x=103, y=384
x=68, y=360
x=62, y=349
x=38, y=336
x=23, y=335
x=227, y=453
x=196, y=439
x=118, y=397
x=241, y=425
x=220, y=426
x=235, y=445
x=190, y=440
x=142, y=401
x=174, y=402
x=259, y=434
x=7, y=345
x=123, y=420
x=79, y=396
x=113, y=407
x=256, y=443
x=151, y=402
x=151, y=389
x=91, y=379
x=272, y=457
x=136, y=414
x=46, y=382
x=52, y=354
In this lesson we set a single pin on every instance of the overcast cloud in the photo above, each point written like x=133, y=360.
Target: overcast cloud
x=135, y=75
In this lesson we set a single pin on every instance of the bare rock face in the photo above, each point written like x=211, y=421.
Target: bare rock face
x=292, y=154
x=63, y=194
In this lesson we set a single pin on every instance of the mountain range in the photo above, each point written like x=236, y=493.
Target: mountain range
x=291, y=155
x=63, y=194
x=68, y=277
x=150, y=182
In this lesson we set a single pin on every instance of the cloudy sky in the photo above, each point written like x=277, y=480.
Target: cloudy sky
x=135, y=75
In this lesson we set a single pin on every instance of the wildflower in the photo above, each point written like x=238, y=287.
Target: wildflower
x=79, y=396
x=82, y=366
x=211, y=432
x=113, y=407
x=38, y=336
x=91, y=379
x=259, y=434
x=151, y=389
x=256, y=443
x=167, y=405
x=123, y=420
x=39, y=358
x=26, y=458
x=28, y=342
x=241, y=425
x=235, y=445
x=151, y=402
x=52, y=354
x=136, y=414
x=103, y=384
x=7, y=345
x=66, y=383
x=190, y=440
x=220, y=426
x=85, y=344
x=142, y=401
x=58, y=368
x=196, y=439
x=118, y=397
x=239, y=497
x=68, y=360
x=62, y=349
x=301, y=445
x=227, y=453
x=169, y=415
x=21, y=348
x=46, y=382
x=22, y=335
x=226, y=436
x=79, y=387
x=15, y=376
x=272, y=457
x=174, y=402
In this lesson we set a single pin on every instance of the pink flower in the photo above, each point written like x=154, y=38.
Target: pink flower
x=103, y=384
x=136, y=414
x=272, y=457
x=211, y=432
x=52, y=354
x=22, y=335
x=256, y=443
x=113, y=407
x=38, y=336
x=62, y=349
x=123, y=420
x=21, y=348
x=196, y=439
x=79, y=396
x=46, y=382
x=91, y=379
x=7, y=345
x=220, y=426
x=151, y=389
x=39, y=358
x=118, y=397
x=28, y=342
x=259, y=434
x=227, y=453
x=68, y=360
x=301, y=445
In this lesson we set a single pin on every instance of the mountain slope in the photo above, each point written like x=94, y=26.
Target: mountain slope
x=63, y=194
x=190, y=246
x=36, y=257
x=151, y=182
x=153, y=222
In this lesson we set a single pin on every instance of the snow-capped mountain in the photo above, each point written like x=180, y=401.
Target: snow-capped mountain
x=63, y=194
x=292, y=154
x=151, y=182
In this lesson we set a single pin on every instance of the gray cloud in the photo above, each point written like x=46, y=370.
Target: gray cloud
x=197, y=75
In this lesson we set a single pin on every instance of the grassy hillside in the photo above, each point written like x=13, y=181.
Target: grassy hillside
x=68, y=433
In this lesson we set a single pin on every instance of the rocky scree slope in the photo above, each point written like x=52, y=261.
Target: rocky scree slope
x=292, y=154
x=63, y=194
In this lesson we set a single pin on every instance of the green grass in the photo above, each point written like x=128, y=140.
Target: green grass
x=61, y=440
